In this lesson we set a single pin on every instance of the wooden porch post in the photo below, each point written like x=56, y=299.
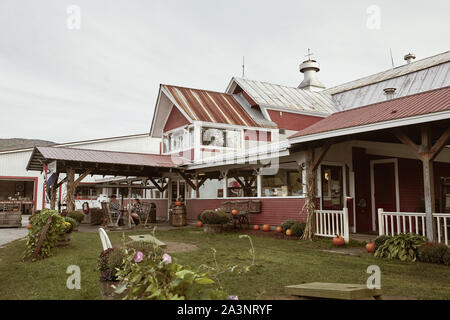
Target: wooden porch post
x=310, y=204
x=426, y=152
x=70, y=192
x=53, y=190
x=225, y=183
x=428, y=182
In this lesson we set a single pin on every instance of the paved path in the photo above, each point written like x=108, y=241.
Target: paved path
x=10, y=234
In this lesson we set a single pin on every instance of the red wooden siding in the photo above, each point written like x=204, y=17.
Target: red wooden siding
x=273, y=211
x=253, y=135
x=292, y=121
x=175, y=120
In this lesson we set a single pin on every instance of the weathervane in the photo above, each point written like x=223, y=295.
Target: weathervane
x=309, y=54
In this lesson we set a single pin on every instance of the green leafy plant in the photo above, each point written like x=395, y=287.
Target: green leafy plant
x=432, y=252
x=156, y=277
x=380, y=240
x=288, y=224
x=402, y=246
x=37, y=221
x=297, y=229
x=76, y=215
x=73, y=224
x=214, y=217
x=446, y=258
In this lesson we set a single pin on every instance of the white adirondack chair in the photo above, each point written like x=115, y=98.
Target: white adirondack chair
x=104, y=239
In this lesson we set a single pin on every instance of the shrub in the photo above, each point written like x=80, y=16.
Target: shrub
x=446, y=258
x=105, y=273
x=73, y=224
x=403, y=246
x=96, y=216
x=57, y=227
x=214, y=217
x=146, y=248
x=380, y=241
x=298, y=228
x=288, y=224
x=76, y=215
x=432, y=252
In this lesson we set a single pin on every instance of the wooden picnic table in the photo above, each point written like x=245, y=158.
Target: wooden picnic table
x=148, y=238
x=341, y=291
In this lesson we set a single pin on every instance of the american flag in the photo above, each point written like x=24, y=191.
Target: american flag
x=48, y=182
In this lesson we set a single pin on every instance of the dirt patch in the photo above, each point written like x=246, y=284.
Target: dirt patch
x=356, y=251
x=174, y=247
x=267, y=234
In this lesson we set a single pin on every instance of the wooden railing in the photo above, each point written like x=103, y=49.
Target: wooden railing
x=392, y=223
x=330, y=223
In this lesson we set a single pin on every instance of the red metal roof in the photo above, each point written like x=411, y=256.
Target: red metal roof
x=414, y=105
x=107, y=157
x=210, y=106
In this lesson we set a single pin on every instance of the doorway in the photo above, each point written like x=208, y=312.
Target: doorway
x=384, y=187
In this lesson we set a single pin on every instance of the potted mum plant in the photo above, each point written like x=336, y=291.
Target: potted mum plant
x=65, y=232
x=214, y=220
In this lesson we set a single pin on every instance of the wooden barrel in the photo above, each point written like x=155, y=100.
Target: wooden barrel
x=178, y=216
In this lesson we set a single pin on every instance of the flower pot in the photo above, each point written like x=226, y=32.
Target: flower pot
x=107, y=291
x=212, y=228
x=63, y=240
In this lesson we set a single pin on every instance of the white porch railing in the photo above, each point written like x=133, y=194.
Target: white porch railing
x=330, y=223
x=392, y=223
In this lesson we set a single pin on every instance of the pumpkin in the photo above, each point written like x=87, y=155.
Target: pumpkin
x=28, y=226
x=338, y=241
x=266, y=227
x=199, y=224
x=288, y=232
x=279, y=229
x=255, y=227
x=370, y=247
x=234, y=212
x=178, y=203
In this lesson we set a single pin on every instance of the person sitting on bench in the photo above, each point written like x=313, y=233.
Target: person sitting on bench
x=114, y=207
x=136, y=211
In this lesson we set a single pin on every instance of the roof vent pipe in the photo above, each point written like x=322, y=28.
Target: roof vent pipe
x=389, y=92
x=409, y=58
x=310, y=68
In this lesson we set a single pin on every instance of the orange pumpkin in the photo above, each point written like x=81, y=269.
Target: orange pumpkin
x=28, y=226
x=370, y=247
x=234, y=212
x=178, y=203
x=266, y=227
x=279, y=229
x=255, y=227
x=288, y=232
x=199, y=224
x=338, y=241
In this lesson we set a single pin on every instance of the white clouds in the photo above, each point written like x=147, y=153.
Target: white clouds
x=106, y=75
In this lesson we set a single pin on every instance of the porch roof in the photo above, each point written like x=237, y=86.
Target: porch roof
x=103, y=162
x=418, y=108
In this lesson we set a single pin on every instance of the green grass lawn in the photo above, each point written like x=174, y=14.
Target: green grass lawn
x=278, y=263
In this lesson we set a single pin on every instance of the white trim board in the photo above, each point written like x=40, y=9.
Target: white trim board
x=423, y=118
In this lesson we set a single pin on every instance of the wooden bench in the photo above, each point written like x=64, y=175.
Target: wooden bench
x=340, y=291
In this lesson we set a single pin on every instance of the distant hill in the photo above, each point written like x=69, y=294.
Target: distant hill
x=18, y=143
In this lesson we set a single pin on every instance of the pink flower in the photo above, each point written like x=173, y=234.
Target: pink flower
x=166, y=258
x=233, y=297
x=138, y=256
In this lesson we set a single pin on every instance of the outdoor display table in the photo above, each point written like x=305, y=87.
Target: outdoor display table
x=333, y=291
x=148, y=238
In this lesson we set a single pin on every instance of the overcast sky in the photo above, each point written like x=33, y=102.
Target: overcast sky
x=102, y=80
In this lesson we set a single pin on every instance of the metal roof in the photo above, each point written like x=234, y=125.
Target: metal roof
x=47, y=154
x=392, y=73
x=210, y=106
x=419, y=104
x=277, y=96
